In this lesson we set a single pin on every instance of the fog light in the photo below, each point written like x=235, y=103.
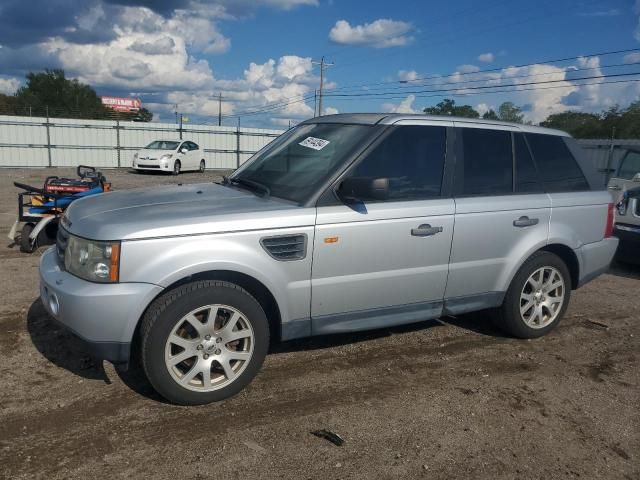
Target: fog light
x=54, y=306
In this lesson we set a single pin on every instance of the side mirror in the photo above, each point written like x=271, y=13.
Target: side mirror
x=364, y=188
x=636, y=178
x=183, y=150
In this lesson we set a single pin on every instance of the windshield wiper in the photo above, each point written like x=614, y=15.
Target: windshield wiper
x=252, y=184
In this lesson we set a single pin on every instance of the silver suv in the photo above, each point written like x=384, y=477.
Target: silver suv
x=345, y=223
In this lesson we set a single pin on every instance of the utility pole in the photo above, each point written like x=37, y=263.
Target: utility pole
x=180, y=129
x=323, y=65
x=220, y=109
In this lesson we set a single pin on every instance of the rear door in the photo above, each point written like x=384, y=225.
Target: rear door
x=502, y=215
x=385, y=262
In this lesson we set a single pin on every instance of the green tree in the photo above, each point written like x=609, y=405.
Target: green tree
x=490, y=115
x=578, y=124
x=509, y=112
x=62, y=97
x=449, y=107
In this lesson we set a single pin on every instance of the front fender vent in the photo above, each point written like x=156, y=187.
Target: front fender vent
x=286, y=247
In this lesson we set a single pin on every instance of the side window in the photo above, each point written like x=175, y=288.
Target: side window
x=527, y=180
x=412, y=158
x=630, y=166
x=193, y=146
x=559, y=171
x=181, y=146
x=487, y=163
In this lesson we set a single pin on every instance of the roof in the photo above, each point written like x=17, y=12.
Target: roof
x=392, y=118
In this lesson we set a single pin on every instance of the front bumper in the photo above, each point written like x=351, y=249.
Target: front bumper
x=595, y=258
x=629, y=235
x=153, y=165
x=104, y=316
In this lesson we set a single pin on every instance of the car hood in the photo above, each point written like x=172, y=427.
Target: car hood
x=179, y=210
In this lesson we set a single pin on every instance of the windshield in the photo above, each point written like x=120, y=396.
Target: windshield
x=294, y=165
x=162, y=145
x=630, y=166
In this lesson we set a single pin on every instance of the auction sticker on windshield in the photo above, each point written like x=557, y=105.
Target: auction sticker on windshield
x=315, y=143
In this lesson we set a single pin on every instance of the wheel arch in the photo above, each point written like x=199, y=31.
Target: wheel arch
x=570, y=259
x=255, y=287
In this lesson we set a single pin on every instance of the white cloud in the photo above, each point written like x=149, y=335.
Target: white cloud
x=159, y=46
x=486, y=57
x=467, y=68
x=483, y=108
x=290, y=4
x=407, y=75
x=8, y=86
x=381, y=33
x=405, y=106
x=292, y=66
x=330, y=111
x=632, y=57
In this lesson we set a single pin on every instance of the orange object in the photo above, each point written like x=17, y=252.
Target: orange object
x=331, y=239
x=115, y=262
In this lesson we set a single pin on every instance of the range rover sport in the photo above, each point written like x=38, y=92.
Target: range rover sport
x=344, y=223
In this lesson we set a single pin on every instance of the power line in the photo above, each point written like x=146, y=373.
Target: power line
x=489, y=70
x=483, y=87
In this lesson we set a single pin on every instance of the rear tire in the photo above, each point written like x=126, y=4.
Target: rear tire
x=537, y=298
x=202, y=166
x=203, y=342
x=25, y=242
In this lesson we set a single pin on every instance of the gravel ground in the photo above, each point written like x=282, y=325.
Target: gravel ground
x=443, y=399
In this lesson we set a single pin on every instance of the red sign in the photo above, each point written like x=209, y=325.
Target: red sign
x=122, y=104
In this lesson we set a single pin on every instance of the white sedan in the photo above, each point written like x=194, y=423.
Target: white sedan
x=172, y=156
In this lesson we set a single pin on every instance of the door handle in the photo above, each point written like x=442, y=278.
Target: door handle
x=525, y=222
x=425, y=230
x=615, y=187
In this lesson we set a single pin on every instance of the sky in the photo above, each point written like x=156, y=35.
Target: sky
x=262, y=55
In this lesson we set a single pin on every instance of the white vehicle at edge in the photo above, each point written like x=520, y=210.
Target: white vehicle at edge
x=173, y=156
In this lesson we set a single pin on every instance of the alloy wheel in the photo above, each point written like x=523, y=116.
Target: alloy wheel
x=209, y=348
x=542, y=297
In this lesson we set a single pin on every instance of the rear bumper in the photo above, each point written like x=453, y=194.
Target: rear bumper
x=595, y=258
x=103, y=316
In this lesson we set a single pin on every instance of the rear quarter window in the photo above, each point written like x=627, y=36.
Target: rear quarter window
x=557, y=168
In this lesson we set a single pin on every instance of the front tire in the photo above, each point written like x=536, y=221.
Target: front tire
x=537, y=298
x=176, y=167
x=203, y=342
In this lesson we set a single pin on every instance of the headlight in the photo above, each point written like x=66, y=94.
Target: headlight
x=135, y=156
x=166, y=157
x=92, y=260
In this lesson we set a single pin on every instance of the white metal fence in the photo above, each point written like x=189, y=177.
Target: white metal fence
x=58, y=142
x=606, y=154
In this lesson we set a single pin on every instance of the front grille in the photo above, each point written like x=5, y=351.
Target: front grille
x=142, y=165
x=286, y=247
x=61, y=243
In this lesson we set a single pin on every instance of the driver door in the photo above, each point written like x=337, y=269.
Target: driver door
x=385, y=262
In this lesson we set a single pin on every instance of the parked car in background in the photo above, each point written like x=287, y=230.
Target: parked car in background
x=626, y=186
x=172, y=156
x=198, y=278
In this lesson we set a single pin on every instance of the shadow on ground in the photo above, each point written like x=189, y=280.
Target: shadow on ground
x=67, y=351
x=61, y=347
x=626, y=270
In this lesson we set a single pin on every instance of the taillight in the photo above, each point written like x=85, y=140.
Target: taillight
x=608, y=228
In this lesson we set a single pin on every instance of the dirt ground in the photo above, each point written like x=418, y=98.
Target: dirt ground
x=438, y=400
